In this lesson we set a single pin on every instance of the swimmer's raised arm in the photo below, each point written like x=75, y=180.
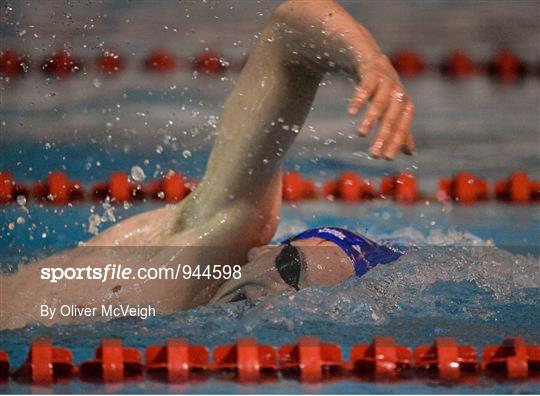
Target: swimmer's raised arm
x=325, y=34
x=237, y=203
x=268, y=106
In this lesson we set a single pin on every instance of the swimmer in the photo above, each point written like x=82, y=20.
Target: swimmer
x=233, y=214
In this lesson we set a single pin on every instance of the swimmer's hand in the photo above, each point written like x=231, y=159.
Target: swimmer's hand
x=389, y=103
x=312, y=28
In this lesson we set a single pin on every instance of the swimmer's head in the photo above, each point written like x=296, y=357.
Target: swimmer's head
x=292, y=266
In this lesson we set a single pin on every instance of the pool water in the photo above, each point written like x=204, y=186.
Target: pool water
x=472, y=272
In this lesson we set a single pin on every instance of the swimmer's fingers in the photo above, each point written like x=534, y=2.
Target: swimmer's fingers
x=409, y=147
x=388, y=122
x=376, y=108
x=402, y=138
x=363, y=93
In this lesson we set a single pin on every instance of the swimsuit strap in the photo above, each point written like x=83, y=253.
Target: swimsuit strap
x=363, y=252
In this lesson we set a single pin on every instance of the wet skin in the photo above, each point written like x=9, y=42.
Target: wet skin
x=238, y=202
x=323, y=263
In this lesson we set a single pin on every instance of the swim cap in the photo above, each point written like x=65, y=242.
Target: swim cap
x=363, y=252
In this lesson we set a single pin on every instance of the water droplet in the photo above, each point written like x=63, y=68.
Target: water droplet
x=137, y=173
x=94, y=221
x=21, y=200
x=186, y=153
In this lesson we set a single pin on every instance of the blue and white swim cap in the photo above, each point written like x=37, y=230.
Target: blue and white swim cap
x=363, y=252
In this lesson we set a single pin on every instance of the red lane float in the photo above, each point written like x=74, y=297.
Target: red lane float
x=12, y=64
x=209, y=62
x=401, y=187
x=4, y=366
x=113, y=363
x=408, y=63
x=61, y=64
x=446, y=359
x=176, y=361
x=118, y=188
x=161, y=61
x=349, y=187
x=46, y=364
x=296, y=188
x=7, y=185
x=171, y=189
x=506, y=66
x=464, y=188
x=311, y=360
x=58, y=189
x=248, y=360
x=380, y=359
x=110, y=62
x=10, y=190
x=514, y=359
x=458, y=65
x=518, y=189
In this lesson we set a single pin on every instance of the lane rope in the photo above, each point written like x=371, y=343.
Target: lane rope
x=505, y=66
x=307, y=360
x=403, y=188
